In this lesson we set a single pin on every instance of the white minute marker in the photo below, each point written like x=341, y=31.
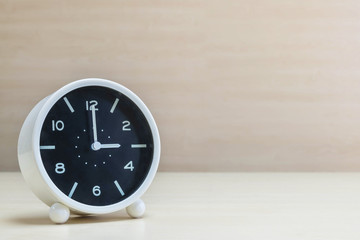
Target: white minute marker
x=119, y=188
x=47, y=147
x=73, y=189
x=114, y=105
x=68, y=104
x=138, y=145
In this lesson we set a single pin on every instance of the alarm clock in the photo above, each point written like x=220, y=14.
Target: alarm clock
x=91, y=147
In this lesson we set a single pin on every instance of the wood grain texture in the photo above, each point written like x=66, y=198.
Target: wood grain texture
x=235, y=85
x=205, y=206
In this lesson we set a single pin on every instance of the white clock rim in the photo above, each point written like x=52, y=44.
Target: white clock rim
x=55, y=191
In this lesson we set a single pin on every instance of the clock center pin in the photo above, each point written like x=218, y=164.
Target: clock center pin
x=96, y=146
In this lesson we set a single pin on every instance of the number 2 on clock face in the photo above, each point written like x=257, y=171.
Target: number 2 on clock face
x=96, y=145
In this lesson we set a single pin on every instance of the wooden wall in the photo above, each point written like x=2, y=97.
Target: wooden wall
x=234, y=85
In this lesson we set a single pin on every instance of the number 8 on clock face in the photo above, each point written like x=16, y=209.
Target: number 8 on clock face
x=95, y=144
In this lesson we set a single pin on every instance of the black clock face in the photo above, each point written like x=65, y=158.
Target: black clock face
x=96, y=145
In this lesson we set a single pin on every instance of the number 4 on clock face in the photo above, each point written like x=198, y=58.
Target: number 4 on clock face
x=129, y=166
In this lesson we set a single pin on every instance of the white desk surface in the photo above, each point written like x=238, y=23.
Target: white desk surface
x=204, y=206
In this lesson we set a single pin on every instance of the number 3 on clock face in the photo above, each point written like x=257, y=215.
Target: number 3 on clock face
x=98, y=146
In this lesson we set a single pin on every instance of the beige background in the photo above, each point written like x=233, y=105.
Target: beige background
x=234, y=85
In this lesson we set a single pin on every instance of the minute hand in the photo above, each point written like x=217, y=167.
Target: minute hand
x=111, y=145
x=93, y=115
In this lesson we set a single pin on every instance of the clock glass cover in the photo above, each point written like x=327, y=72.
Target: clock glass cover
x=96, y=145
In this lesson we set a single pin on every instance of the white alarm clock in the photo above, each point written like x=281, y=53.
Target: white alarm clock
x=91, y=147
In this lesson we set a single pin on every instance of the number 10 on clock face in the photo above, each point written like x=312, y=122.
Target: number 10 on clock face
x=96, y=145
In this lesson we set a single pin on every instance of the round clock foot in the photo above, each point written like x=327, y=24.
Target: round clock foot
x=137, y=209
x=59, y=213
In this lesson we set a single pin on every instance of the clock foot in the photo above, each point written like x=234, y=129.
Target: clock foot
x=137, y=209
x=59, y=213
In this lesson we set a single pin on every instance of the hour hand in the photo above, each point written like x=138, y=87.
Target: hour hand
x=111, y=145
x=97, y=145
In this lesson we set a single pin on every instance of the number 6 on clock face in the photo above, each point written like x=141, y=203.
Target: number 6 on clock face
x=96, y=146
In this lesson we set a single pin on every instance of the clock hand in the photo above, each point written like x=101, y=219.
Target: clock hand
x=96, y=145
x=94, y=122
x=112, y=145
